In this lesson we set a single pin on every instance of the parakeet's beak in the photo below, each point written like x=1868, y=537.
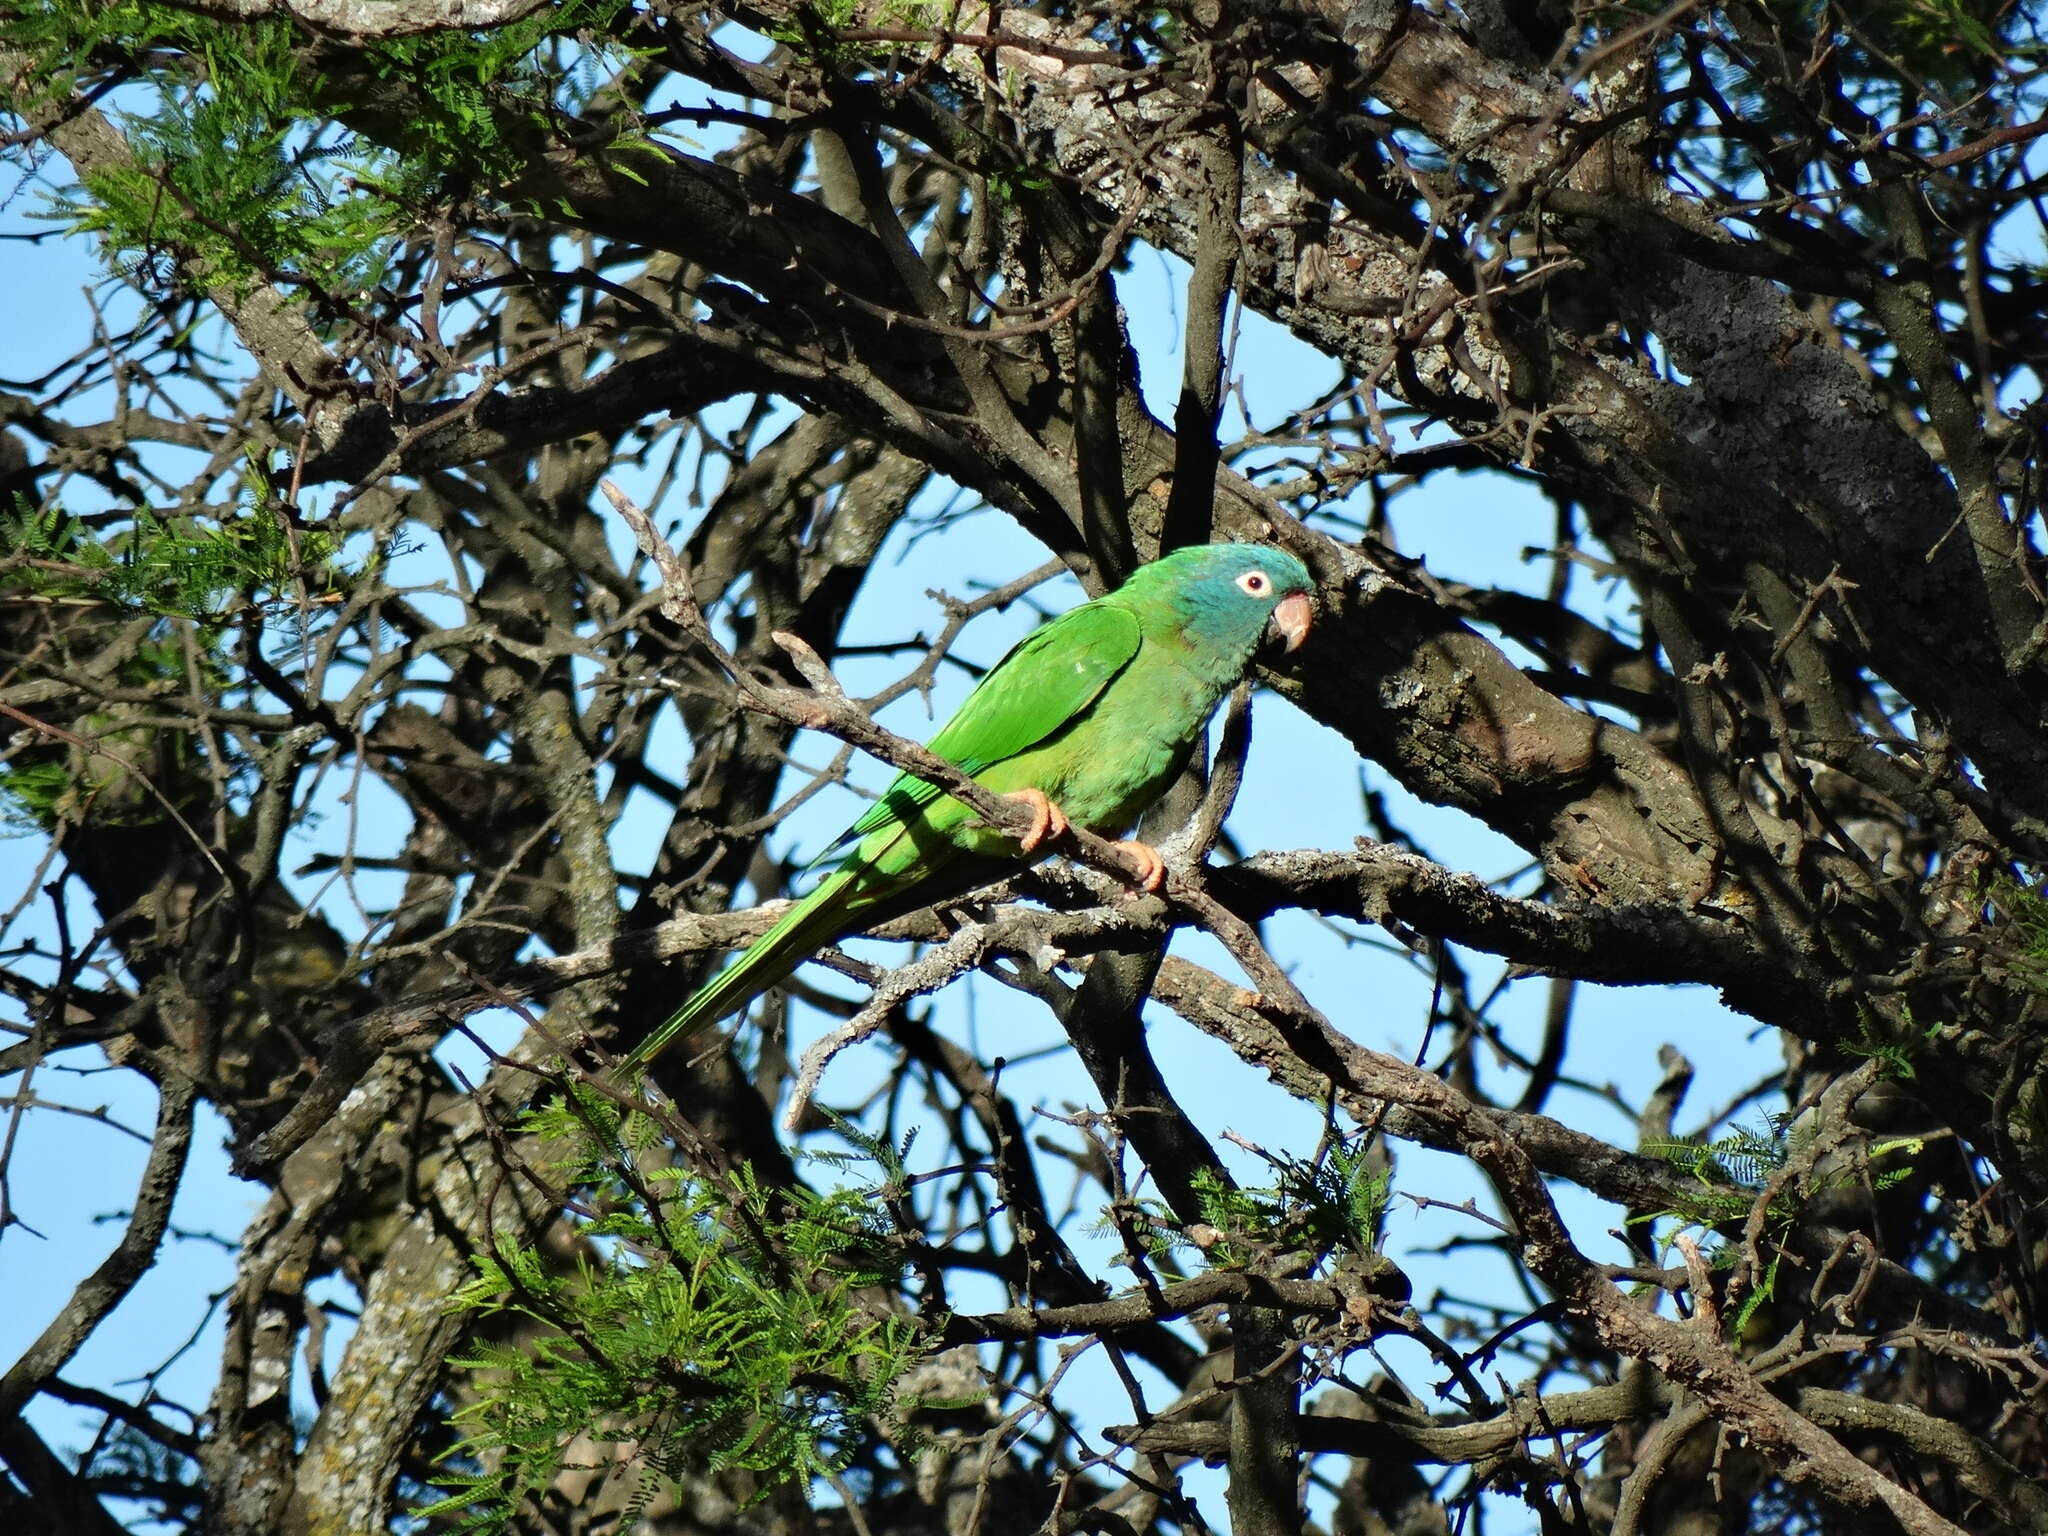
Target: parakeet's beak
x=1292, y=618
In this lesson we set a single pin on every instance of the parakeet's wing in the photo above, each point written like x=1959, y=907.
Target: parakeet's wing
x=1051, y=676
x=1054, y=675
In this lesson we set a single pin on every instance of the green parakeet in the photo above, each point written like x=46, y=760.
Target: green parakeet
x=1088, y=720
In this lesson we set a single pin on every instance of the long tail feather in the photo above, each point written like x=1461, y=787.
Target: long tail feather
x=804, y=928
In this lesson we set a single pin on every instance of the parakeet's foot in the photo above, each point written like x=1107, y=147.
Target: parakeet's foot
x=1145, y=862
x=1047, y=820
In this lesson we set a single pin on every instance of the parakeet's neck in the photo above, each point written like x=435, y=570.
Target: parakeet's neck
x=1215, y=641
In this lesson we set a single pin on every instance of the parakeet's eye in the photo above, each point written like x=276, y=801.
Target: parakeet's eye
x=1257, y=583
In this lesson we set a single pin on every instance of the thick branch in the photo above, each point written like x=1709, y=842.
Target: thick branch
x=1635, y=943
x=363, y=20
x=681, y=378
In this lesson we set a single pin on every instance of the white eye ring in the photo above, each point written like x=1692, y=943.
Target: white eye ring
x=1255, y=582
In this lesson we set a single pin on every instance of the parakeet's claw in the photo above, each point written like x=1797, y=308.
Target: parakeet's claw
x=1145, y=862
x=1048, y=821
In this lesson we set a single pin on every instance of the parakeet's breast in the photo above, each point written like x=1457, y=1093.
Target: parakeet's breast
x=1108, y=766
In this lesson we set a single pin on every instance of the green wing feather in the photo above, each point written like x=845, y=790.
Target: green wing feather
x=1045, y=681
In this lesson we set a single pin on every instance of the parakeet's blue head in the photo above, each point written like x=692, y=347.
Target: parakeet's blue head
x=1231, y=597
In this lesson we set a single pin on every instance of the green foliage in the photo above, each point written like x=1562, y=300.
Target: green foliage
x=1337, y=1200
x=203, y=570
x=1893, y=1045
x=187, y=578
x=476, y=105
x=2018, y=907
x=1931, y=33
x=1007, y=185
x=239, y=170
x=865, y=1150
x=2022, y=910
x=1932, y=39
x=1732, y=1173
x=1331, y=1203
x=709, y=1323
x=34, y=787
x=1729, y=1173
x=237, y=199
